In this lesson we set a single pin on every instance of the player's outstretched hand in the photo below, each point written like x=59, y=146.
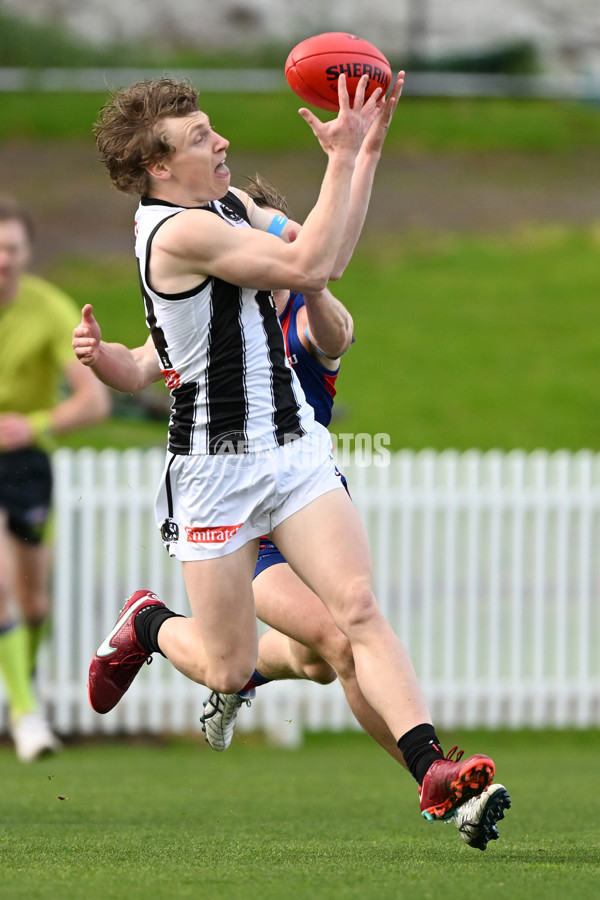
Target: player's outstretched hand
x=87, y=337
x=386, y=107
x=347, y=131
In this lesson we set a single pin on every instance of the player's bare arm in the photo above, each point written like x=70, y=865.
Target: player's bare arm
x=268, y=219
x=193, y=244
x=87, y=402
x=114, y=364
x=196, y=244
x=364, y=173
x=325, y=327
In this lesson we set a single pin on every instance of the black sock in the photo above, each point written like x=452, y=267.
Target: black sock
x=147, y=623
x=420, y=747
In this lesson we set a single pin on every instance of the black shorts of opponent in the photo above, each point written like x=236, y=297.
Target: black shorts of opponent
x=26, y=492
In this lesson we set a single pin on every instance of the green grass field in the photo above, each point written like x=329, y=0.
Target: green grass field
x=336, y=819
x=432, y=124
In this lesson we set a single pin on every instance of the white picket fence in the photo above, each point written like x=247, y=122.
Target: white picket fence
x=486, y=564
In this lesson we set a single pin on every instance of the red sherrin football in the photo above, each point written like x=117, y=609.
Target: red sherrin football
x=313, y=67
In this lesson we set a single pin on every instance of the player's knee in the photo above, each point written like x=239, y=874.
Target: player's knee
x=320, y=672
x=229, y=680
x=4, y=597
x=308, y=661
x=358, y=608
x=35, y=606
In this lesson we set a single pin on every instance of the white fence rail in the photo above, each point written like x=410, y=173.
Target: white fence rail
x=485, y=563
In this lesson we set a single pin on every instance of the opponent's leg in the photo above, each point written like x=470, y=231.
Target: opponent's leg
x=281, y=658
x=289, y=606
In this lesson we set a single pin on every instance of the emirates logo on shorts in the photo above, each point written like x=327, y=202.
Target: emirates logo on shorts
x=218, y=534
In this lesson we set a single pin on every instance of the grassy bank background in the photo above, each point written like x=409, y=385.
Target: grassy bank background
x=480, y=335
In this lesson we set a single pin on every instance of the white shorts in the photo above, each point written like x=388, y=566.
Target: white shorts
x=208, y=506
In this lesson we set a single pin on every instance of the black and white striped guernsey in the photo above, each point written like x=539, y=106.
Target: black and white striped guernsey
x=222, y=353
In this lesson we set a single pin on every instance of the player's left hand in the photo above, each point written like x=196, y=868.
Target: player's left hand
x=386, y=107
x=87, y=337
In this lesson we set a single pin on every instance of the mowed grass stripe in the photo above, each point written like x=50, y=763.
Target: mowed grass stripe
x=335, y=819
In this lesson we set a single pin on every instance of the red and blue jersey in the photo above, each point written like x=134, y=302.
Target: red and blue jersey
x=317, y=382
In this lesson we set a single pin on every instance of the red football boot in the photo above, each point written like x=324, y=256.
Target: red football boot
x=120, y=656
x=448, y=783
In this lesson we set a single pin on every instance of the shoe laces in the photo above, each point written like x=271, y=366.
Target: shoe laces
x=452, y=751
x=132, y=659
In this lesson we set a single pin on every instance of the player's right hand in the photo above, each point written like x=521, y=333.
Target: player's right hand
x=87, y=337
x=346, y=132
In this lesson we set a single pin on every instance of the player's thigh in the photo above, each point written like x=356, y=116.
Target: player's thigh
x=286, y=604
x=326, y=544
x=220, y=595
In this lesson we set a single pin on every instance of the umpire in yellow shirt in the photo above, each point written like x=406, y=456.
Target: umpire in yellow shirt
x=36, y=358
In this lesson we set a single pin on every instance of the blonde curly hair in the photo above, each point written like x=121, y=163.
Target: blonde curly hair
x=127, y=134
